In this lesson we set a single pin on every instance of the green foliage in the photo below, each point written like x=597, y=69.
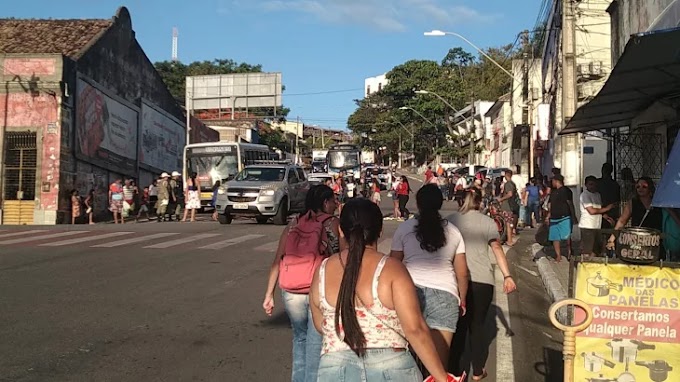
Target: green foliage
x=460, y=77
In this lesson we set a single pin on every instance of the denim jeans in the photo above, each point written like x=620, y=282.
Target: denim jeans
x=306, y=339
x=378, y=365
x=533, y=207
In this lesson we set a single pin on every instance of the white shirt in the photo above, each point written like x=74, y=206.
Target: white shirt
x=430, y=269
x=461, y=182
x=590, y=199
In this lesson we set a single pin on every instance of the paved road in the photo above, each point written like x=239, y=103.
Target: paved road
x=180, y=302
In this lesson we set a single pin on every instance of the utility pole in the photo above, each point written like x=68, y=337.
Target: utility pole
x=527, y=108
x=473, y=136
x=297, y=141
x=569, y=98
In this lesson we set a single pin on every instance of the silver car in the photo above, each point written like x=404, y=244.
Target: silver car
x=262, y=192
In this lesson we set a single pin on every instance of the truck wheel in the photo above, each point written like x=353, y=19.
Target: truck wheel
x=225, y=218
x=261, y=219
x=281, y=217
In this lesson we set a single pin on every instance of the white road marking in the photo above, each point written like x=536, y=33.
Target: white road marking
x=85, y=239
x=230, y=242
x=22, y=233
x=43, y=237
x=385, y=246
x=184, y=240
x=119, y=243
x=505, y=369
x=269, y=247
x=529, y=271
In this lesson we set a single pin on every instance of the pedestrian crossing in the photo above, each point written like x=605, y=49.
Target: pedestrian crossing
x=125, y=239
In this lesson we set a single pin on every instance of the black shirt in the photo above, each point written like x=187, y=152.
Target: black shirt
x=559, y=207
x=610, y=192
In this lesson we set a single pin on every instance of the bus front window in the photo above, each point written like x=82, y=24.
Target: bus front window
x=211, y=168
x=340, y=159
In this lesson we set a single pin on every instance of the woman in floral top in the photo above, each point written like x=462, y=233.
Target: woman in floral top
x=365, y=305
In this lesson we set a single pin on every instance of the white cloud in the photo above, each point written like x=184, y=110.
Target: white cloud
x=375, y=13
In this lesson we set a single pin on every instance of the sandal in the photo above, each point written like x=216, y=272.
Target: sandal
x=480, y=377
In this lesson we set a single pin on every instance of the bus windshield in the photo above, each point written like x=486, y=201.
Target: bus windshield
x=261, y=174
x=211, y=168
x=343, y=159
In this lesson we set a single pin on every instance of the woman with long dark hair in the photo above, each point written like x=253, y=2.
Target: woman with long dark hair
x=481, y=235
x=434, y=254
x=365, y=305
x=320, y=205
x=639, y=210
x=403, y=191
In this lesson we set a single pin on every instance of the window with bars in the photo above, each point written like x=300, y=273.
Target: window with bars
x=21, y=155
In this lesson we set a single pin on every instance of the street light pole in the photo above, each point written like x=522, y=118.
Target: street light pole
x=438, y=96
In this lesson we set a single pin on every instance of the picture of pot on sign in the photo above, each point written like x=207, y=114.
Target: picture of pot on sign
x=593, y=362
x=624, y=350
x=658, y=370
x=598, y=286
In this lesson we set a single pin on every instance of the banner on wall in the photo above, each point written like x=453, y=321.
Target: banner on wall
x=163, y=140
x=106, y=129
x=635, y=333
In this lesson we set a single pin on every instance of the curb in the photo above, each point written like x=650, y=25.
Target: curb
x=551, y=283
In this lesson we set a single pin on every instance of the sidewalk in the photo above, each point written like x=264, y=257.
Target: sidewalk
x=555, y=276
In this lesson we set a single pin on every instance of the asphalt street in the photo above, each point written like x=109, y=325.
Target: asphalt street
x=182, y=302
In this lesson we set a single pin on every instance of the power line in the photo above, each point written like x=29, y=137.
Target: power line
x=323, y=92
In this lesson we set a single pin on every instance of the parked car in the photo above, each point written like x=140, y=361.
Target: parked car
x=492, y=172
x=318, y=178
x=465, y=170
x=263, y=192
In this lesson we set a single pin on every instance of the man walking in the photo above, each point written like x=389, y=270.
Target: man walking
x=177, y=195
x=591, y=217
x=163, y=197
x=610, y=192
x=561, y=216
x=510, y=205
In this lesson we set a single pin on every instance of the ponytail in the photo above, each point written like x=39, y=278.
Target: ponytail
x=361, y=221
x=346, y=314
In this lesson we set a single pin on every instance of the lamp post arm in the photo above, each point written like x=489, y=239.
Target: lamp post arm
x=482, y=53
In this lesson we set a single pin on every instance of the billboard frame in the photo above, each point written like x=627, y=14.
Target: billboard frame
x=147, y=103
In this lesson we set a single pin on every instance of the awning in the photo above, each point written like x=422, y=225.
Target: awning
x=648, y=70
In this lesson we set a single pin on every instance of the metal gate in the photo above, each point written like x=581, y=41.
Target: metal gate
x=642, y=153
x=21, y=156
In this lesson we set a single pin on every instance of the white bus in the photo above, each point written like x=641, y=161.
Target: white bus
x=219, y=161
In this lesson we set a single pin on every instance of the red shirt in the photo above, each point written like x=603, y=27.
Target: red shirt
x=402, y=189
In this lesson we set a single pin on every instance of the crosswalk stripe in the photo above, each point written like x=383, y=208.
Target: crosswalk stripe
x=43, y=237
x=269, y=247
x=184, y=240
x=85, y=239
x=22, y=233
x=119, y=243
x=229, y=242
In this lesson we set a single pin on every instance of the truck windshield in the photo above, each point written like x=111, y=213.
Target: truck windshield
x=343, y=159
x=257, y=174
x=211, y=168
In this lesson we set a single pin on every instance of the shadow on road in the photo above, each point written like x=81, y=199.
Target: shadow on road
x=552, y=367
x=277, y=320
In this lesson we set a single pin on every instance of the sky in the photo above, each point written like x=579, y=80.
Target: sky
x=323, y=48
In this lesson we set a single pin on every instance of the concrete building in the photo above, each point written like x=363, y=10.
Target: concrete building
x=500, y=124
x=472, y=122
x=81, y=105
x=374, y=84
x=637, y=108
x=290, y=127
x=592, y=46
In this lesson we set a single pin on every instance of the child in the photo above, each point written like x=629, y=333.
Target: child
x=75, y=206
x=144, y=204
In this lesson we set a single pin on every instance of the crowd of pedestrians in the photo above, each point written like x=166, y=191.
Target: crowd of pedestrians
x=165, y=199
x=358, y=314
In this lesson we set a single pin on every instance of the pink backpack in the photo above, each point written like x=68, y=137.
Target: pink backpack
x=305, y=250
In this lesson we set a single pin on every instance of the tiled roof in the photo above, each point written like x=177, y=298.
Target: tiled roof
x=67, y=37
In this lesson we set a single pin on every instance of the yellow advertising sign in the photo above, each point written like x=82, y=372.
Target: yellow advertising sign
x=635, y=333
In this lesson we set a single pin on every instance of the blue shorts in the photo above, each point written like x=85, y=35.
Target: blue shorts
x=560, y=229
x=440, y=308
x=378, y=365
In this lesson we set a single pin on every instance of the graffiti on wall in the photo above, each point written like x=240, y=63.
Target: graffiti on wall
x=49, y=169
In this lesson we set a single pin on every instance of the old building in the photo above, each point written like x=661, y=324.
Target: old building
x=81, y=105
